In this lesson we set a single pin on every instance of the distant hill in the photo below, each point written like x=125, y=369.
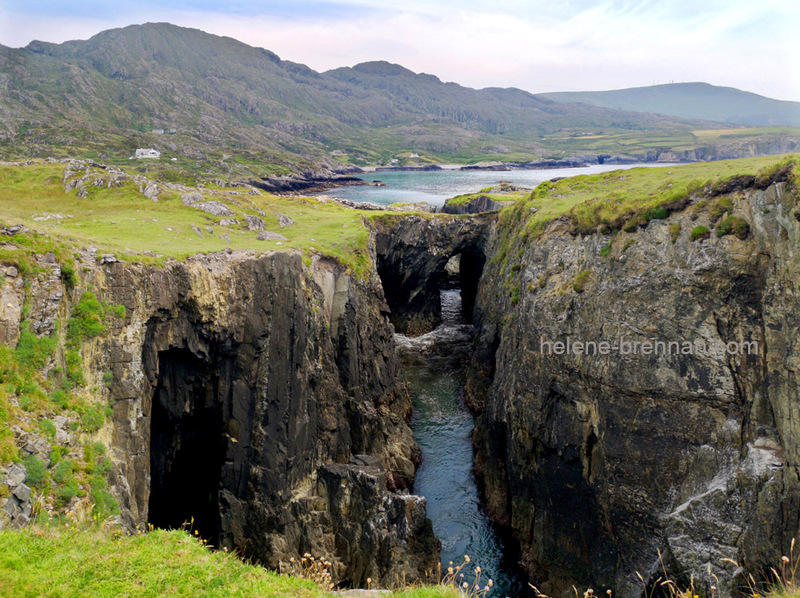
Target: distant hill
x=692, y=100
x=104, y=94
x=214, y=105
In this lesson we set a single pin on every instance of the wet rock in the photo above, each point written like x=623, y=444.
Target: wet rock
x=691, y=456
x=412, y=255
x=249, y=395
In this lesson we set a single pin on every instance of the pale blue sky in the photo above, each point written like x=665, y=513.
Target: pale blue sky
x=535, y=45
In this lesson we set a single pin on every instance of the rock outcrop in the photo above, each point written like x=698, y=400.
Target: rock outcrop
x=258, y=397
x=412, y=254
x=597, y=462
x=476, y=205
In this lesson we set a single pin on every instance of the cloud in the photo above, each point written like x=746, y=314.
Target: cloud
x=534, y=45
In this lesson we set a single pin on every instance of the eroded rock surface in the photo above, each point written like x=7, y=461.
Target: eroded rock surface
x=598, y=462
x=243, y=388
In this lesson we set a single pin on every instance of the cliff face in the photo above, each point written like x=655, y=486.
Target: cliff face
x=597, y=462
x=258, y=396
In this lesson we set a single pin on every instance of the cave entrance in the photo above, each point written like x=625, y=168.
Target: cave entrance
x=187, y=446
x=463, y=271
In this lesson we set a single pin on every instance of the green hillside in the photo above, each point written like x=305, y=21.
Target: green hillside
x=692, y=100
x=227, y=107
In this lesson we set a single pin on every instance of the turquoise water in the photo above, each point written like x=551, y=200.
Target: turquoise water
x=435, y=186
x=434, y=368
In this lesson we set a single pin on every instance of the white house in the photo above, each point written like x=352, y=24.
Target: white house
x=147, y=153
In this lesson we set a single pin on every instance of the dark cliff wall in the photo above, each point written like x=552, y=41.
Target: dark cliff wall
x=259, y=396
x=597, y=462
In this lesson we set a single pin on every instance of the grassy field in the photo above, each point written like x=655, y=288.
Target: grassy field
x=73, y=563
x=122, y=221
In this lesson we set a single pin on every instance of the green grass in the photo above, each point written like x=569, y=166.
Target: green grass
x=500, y=197
x=122, y=221
x=64, y=562
x=700, y=232
x=630, y=198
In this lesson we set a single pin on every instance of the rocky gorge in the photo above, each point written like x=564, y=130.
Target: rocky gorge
x=258, y=394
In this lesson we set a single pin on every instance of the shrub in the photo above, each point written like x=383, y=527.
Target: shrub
x=86, y=320
x=37, y=471
x=68, y=276
x=631, y=225
x=67, y=492
x=656, y=214
x=62, y=472
x=48, y=428
x=117, y=310
x=93, y=419
x=74, y=368
x=733, y=225
x=700, y=232
x=60, y=398
x=605, y=250
x=33, y=351
x=580, y=281
x=719, y=208
x=105, y=505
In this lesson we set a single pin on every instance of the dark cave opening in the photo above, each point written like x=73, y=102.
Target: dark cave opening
x=469, y=274
x=187, y=446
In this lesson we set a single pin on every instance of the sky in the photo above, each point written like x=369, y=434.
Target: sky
x=536, y=45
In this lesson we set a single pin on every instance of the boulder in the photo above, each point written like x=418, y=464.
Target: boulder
x=270, y=236
x=215, y=208
x=254, y=222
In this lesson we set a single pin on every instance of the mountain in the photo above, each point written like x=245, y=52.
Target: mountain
x=692, y=100
x=217, y=105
